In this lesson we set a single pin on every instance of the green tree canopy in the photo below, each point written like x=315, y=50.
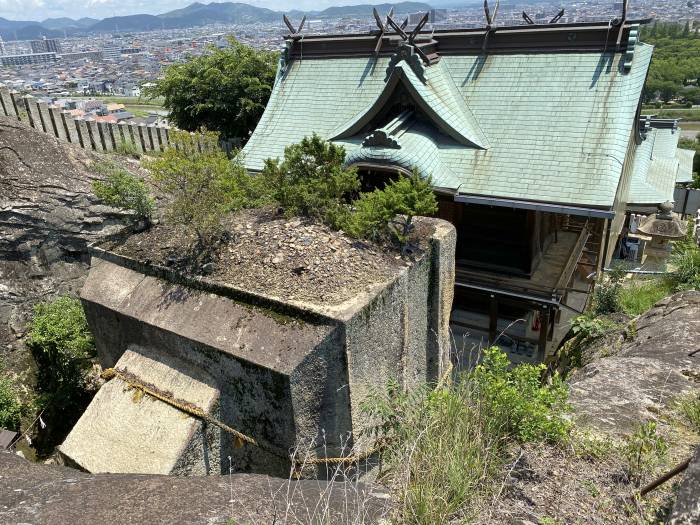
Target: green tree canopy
x=224, y=90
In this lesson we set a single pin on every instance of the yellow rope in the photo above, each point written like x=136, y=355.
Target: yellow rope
x=169, y=399
x=193, y=410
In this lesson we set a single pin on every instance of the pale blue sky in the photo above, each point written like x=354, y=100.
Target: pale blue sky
x=41, y=9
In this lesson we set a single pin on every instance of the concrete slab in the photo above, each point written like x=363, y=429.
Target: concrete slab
x=124, y=432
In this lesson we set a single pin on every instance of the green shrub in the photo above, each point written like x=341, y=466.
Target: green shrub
x=606, y=298
x=311, y=180
x=62, y=345
x=585, y=328
x=393, y=208
x=200, y=183
x=643, y=451
x=11, y=408
x=123, y=190
x=443, y=447
x=516, y=398
x=685, y=260
x=588, y=327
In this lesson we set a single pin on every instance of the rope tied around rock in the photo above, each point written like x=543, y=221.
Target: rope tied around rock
x=168, y=398
x=240, y=438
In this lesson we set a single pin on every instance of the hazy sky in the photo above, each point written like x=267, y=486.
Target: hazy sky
x=41, y=9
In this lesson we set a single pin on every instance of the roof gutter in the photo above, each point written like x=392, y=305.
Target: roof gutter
x=538, y=206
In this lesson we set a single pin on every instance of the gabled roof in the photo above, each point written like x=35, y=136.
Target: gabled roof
x=544, y=123
x=436, y=96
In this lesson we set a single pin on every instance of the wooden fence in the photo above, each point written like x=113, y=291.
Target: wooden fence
x=98, y=136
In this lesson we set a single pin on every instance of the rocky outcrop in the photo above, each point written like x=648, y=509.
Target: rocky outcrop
x=686, y=509
x=48, y=215
x=653, y=366
x=50, y=494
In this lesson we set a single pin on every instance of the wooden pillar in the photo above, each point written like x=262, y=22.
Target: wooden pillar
x=544, y=332
x=493, y=318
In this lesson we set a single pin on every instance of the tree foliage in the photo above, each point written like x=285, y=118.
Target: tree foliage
x=393, y=208
x=694, y=145
x=63, y=346
x=223, y=90
x=675, y=68
x=11, y=408
x=310, y=180
x=201, y=185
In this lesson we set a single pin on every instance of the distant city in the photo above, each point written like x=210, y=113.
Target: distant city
x=69, y=62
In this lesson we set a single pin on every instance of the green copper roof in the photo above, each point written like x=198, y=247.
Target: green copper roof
x=685, y=164
x=655, y=168
x=542, y=126
x=438, y=98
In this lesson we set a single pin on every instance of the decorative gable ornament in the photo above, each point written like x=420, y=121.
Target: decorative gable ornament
x=632, y=41
x=407, y=53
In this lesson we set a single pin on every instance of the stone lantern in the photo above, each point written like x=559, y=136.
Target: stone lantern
x=660, y=228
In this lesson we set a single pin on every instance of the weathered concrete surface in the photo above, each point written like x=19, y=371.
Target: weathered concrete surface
x=172, y=442
x=290, y=375
x=55, y=495
x=686, y=509
x=651, y=368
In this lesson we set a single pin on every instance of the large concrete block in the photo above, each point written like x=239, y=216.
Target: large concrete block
x=289, y=374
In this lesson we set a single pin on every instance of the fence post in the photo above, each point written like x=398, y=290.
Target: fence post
x=45, y=118
x=95, y=138
x=17, y=104
x=32, y=112
x=57, y=123
x=8, y=106
x=71, y=127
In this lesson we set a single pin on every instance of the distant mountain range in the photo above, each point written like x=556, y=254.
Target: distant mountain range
x=196, y=14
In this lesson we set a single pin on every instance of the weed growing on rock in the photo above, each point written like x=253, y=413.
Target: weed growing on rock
x=127, y=148
x=443, y=447
x=685, y=260
x=123, y=190
x=11, y=408
x=644, y=450
x=640, y=295
x=688, y=408
x=606, y=298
